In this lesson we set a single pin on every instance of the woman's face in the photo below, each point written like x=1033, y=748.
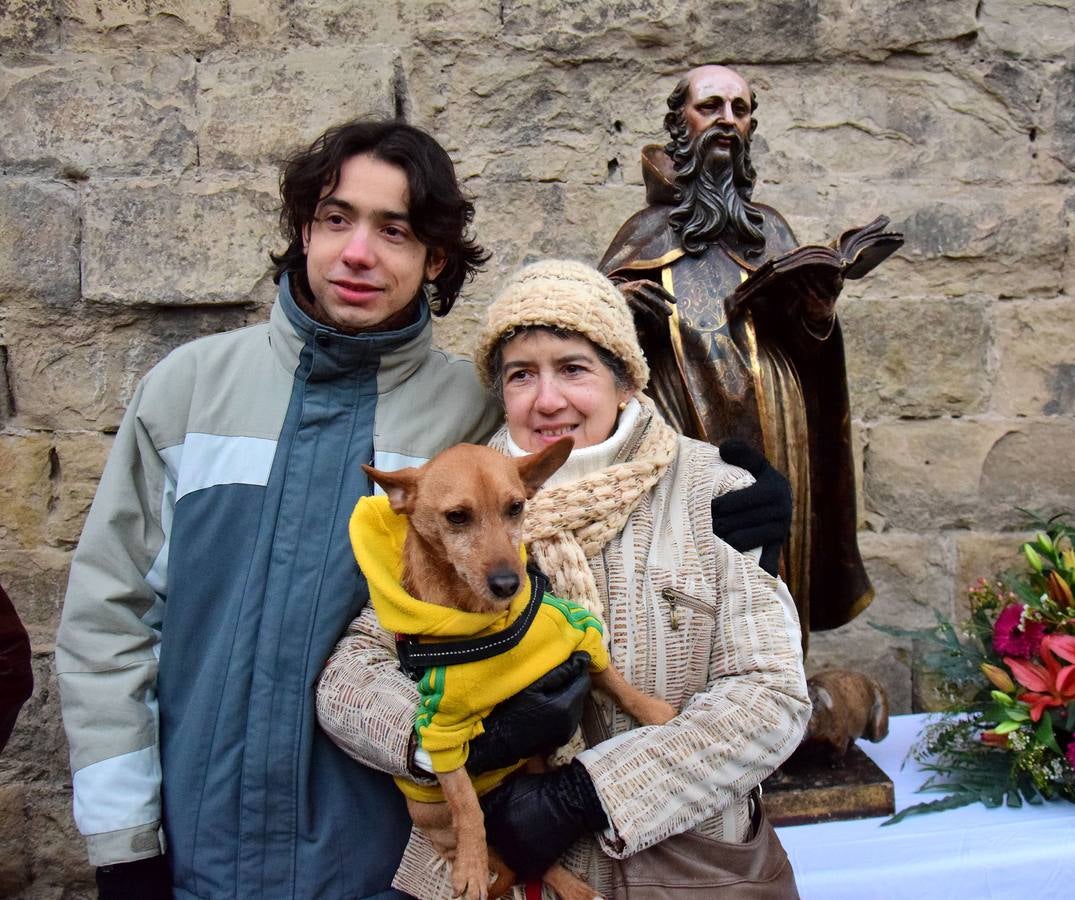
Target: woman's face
x=556, y=386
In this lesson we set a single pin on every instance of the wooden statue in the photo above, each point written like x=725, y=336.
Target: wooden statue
x=740, y=327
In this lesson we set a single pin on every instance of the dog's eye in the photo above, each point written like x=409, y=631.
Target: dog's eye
x=515, y=508
x=457, y=516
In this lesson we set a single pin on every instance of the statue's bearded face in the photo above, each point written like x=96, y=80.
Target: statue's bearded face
x=718, y=96
x=710, y=124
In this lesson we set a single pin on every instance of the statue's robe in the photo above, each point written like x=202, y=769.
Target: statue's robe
x=766, y=375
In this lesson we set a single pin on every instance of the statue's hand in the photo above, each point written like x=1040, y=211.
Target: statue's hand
x=650, y=303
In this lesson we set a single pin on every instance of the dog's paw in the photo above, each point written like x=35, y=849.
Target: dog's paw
x=470, y=878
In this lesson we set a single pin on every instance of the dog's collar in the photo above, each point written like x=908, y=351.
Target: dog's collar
x=415, y=657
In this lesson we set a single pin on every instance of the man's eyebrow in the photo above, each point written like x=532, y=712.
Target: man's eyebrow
x=334, y=202
x=717, y=95
x=393, y=215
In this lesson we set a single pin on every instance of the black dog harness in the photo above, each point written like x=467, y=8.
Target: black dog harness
x=415, y=657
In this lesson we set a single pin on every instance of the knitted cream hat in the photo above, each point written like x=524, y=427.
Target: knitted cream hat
x=562, y=293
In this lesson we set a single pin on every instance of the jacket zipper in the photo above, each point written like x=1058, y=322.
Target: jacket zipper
x=674, y=597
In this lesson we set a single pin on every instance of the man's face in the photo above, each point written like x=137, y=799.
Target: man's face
x=363, y=261
x=718, y=96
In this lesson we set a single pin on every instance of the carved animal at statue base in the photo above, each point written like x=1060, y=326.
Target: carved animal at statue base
x=847, y=705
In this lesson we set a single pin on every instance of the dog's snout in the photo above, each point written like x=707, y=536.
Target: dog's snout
x=503, y=583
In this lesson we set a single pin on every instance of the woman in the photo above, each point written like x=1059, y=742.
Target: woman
x=625, y=528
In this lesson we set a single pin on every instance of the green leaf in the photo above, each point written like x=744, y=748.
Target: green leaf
x=930, y=635
x=1045, y=736
x=953, y=802
x=936, y=787
x=1031, y=796
x=1001, y=698
x=1007, y=727
x=1017, y=713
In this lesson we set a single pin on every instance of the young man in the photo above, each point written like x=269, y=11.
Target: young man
x=214, y=573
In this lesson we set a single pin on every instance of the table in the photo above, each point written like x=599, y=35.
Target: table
x=959, y=854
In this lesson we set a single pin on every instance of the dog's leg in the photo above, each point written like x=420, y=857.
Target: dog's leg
x=435, y=820
x=645, y=709
x=470, y=870
x=567, y=885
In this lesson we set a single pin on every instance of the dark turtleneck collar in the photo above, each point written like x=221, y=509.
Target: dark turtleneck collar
x=335, y=354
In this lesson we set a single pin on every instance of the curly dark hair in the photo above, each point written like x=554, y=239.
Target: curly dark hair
x=439, y=212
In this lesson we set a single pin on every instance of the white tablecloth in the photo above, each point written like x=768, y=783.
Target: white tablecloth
x=960, y=854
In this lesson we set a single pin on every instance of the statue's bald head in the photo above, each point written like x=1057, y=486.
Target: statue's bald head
x=709, y=71
x=712, y=95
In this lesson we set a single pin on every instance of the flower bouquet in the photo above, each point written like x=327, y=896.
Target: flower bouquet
x=1008, y=734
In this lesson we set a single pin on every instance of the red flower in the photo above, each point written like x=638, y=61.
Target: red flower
x=992, y=739
x=1052, y=684
x=1009, y=639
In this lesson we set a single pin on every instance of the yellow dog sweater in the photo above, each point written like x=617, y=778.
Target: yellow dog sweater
x=454, y=699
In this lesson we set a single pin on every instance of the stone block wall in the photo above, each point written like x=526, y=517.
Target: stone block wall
x=139, y=147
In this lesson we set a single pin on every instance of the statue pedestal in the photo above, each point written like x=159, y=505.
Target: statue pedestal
x=806, y=790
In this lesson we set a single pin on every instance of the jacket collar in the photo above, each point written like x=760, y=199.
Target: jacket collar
x=395, y=354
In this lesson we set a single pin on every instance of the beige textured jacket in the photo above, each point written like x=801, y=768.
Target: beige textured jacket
x=691, y=620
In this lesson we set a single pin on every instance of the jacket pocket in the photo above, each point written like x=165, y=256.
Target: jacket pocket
x=687, y=623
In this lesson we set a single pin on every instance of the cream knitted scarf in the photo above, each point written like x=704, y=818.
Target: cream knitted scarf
x=570, y=523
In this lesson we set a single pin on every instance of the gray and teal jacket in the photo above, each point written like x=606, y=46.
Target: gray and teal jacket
x=212, y=580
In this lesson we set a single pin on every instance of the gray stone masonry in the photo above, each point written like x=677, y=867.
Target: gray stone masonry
x=139, y=151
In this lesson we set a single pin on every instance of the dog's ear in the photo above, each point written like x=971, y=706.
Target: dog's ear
x=534, y=469
x=400, y=486
x=878, y=725
x=820, y=697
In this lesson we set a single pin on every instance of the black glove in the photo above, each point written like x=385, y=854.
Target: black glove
x=531, y=819
x=755, y=516
x=143, y=879
x=536, y=720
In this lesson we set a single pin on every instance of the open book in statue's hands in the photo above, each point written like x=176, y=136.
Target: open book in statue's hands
x=854, y=253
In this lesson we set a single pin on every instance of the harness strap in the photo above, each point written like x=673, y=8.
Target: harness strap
x=415, y=657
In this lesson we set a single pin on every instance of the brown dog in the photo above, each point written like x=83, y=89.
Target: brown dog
x=465, y=509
